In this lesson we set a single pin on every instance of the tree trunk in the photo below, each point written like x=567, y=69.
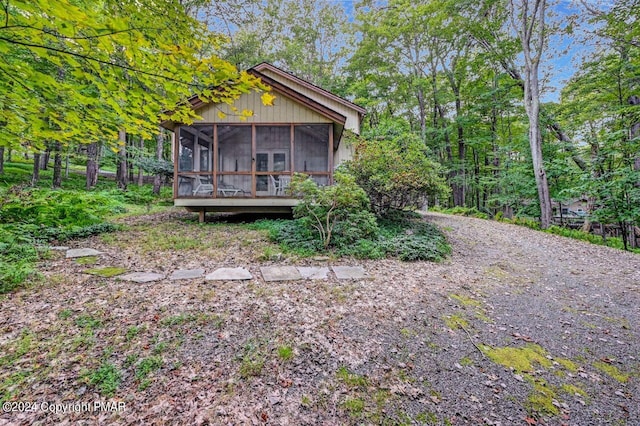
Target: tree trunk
x=1, y=160
x=531, y=31
x=92, y=165
x=140, y=171
x=57, y=166
x=635, y=133
x=121, y=172
x=459, y=189
x=35, y=177
x=157, y=180
x=44, y=159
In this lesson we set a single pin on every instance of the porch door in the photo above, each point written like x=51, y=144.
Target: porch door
x=273, y=160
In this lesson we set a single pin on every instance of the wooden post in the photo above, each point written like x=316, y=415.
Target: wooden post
x=201, y=216
x=215, y=166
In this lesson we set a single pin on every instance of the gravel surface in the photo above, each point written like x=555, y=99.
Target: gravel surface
x=517, y=327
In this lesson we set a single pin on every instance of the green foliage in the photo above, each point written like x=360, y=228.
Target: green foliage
x=34, y=216
x=17, y=259
x=462, y=211
x=148, y=365
x=48, y=208
x=338, y=213
x=399, y=234
x=396, y=173
x=285, y=353
x=80, y=71
x=107, y=378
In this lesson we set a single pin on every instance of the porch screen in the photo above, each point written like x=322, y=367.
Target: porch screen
x=196, y=149
x=195, y=161
x=311, y=148
x=234, y=161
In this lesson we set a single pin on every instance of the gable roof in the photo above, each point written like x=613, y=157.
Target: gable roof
x=315, y=98
x=299, y=97
x=265, y=66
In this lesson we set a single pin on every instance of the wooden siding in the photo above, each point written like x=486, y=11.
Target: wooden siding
x=353, y=118
x=284, y=110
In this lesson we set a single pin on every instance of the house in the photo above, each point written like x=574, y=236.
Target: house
x=225, y=163
x=574, y=206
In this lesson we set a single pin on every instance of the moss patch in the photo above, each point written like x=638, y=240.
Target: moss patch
x=612, y=371
x=466, y=301
x=456, y=321
x=519, y=359
x=567, y=364
x=542, y=399
x=89, y=260
x=106, y=272
x=573, y=390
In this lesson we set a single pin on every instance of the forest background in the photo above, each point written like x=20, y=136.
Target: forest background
x=473, y=81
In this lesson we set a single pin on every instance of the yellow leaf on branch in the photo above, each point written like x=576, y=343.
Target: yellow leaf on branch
x=267, y=99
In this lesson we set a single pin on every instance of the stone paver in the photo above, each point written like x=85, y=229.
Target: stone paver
x=349, y=272
x=187, y=274
x=142, y=277
x=314, y=272
x=59, y=248
x=228, y=274
x=82, y=252
x=280, y=273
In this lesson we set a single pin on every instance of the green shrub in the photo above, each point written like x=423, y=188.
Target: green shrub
x=396, y=172
x=36, y=216
x=55, y=208
x=17, y=258
x=338, y=214
x=466, y=211
x=399, y=234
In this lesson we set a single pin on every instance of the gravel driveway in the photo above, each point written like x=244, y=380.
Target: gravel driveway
x=517, y=327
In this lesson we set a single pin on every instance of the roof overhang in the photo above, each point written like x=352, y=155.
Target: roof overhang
x=283, y=90
x=267, y=66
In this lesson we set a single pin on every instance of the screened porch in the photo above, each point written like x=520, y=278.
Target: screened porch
x=242, y=161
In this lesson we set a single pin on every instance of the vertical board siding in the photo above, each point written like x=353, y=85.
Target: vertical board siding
x=284, y=110
x=353, y=118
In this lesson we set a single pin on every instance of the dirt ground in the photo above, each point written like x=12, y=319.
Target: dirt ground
x=518, y=327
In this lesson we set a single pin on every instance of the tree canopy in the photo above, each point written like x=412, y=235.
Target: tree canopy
x=80, y=70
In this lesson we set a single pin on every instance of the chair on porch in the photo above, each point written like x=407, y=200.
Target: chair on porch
x=280, y=184
x=202, y=186
x=227, y=190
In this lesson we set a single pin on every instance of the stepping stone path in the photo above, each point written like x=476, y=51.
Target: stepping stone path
x=349, y=272
x=228, y=274
x=82, y=252
x=314, y=272
x=187, y=274
x=280, y=273
x=142, y=277
x=269, y=273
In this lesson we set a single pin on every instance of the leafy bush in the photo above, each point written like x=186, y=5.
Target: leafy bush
x=17, y=259
x=399, y=234
x=338, y=213
x=34, y=216
x=55, y=208
x=410, y=238
x=396, y=172
x=462, y=211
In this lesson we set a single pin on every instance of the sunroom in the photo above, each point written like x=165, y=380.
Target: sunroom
x=226, y=162
x=250, y=160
